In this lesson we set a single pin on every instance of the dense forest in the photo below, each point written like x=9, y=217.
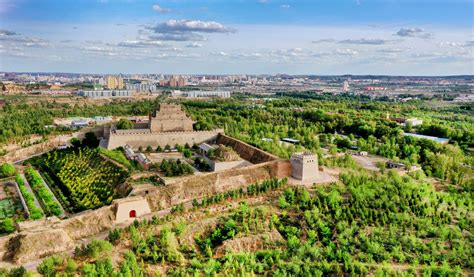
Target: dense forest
x=331, y=122
x=344, y=125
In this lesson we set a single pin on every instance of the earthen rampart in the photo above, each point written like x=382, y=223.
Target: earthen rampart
x=245, y=150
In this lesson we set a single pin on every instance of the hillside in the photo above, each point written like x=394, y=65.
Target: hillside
x=366, y=224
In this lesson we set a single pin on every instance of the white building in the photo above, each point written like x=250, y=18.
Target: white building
x=142, y=87
x=79, y=123
x=127, y=209
x=105, y=93
x=102, y=119
x=211, y=93
x=414, y=121
x=345, y=86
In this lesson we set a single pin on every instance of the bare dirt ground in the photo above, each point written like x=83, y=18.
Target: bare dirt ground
x=369, y=162
x=159, y=157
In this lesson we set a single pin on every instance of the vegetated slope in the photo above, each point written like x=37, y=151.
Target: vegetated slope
x=367, y=225
x=86, y=180
x=50, y=205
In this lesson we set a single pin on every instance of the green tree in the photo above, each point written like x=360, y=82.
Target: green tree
x=124, y=124
x=90, y=140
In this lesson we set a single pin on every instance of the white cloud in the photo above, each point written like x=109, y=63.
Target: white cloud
x=448, y=44
x=139, y=43
x=4, y=32
x=14, y=38
x=390, y=50
x=178, y=37
x=413, y=32
x=346, y=52
x=469, y=43
x=366, y=41
x=328, y=40
x=177, y=26
x=185, y=30
x=194, y=45
x=160, y=9
x=285, y=6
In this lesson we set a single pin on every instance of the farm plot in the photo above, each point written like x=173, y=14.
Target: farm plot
x=9, y=208
x=50, y=206
x=82, y=178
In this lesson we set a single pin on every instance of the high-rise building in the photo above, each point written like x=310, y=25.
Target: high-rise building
x=174, y=82
x=114, y=82
x=345, y=86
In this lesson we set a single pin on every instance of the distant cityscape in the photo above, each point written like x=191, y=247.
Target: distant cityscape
x=404, y=88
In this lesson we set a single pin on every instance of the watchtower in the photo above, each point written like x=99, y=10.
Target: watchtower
x=305, y=166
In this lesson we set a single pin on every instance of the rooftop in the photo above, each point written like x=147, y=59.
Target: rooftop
x=437, y=139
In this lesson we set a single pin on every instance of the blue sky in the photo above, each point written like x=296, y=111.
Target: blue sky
x=408, y=37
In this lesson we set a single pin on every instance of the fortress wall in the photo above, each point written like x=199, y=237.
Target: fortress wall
x=199, y=186
x=88, y=223
x=245, y=150
x=282, y=169
x=141, y=125
x=97, y=130
x=162, y=139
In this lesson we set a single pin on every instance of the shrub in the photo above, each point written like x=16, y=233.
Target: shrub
x=8, y=225
x=173, y=168
x=48, y=265
x=114, y=235
x=7, y=170
x=99, y=248
x=116, y=155
x=124, y=124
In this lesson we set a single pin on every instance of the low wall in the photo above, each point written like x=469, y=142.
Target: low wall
x=145, y=139
x=245, y=150
x=19, y=155
x=20, y=195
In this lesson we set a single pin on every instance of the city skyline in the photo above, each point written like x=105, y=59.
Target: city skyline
x=234, y=37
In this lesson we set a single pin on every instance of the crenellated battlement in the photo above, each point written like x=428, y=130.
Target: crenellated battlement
x=147, y=132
